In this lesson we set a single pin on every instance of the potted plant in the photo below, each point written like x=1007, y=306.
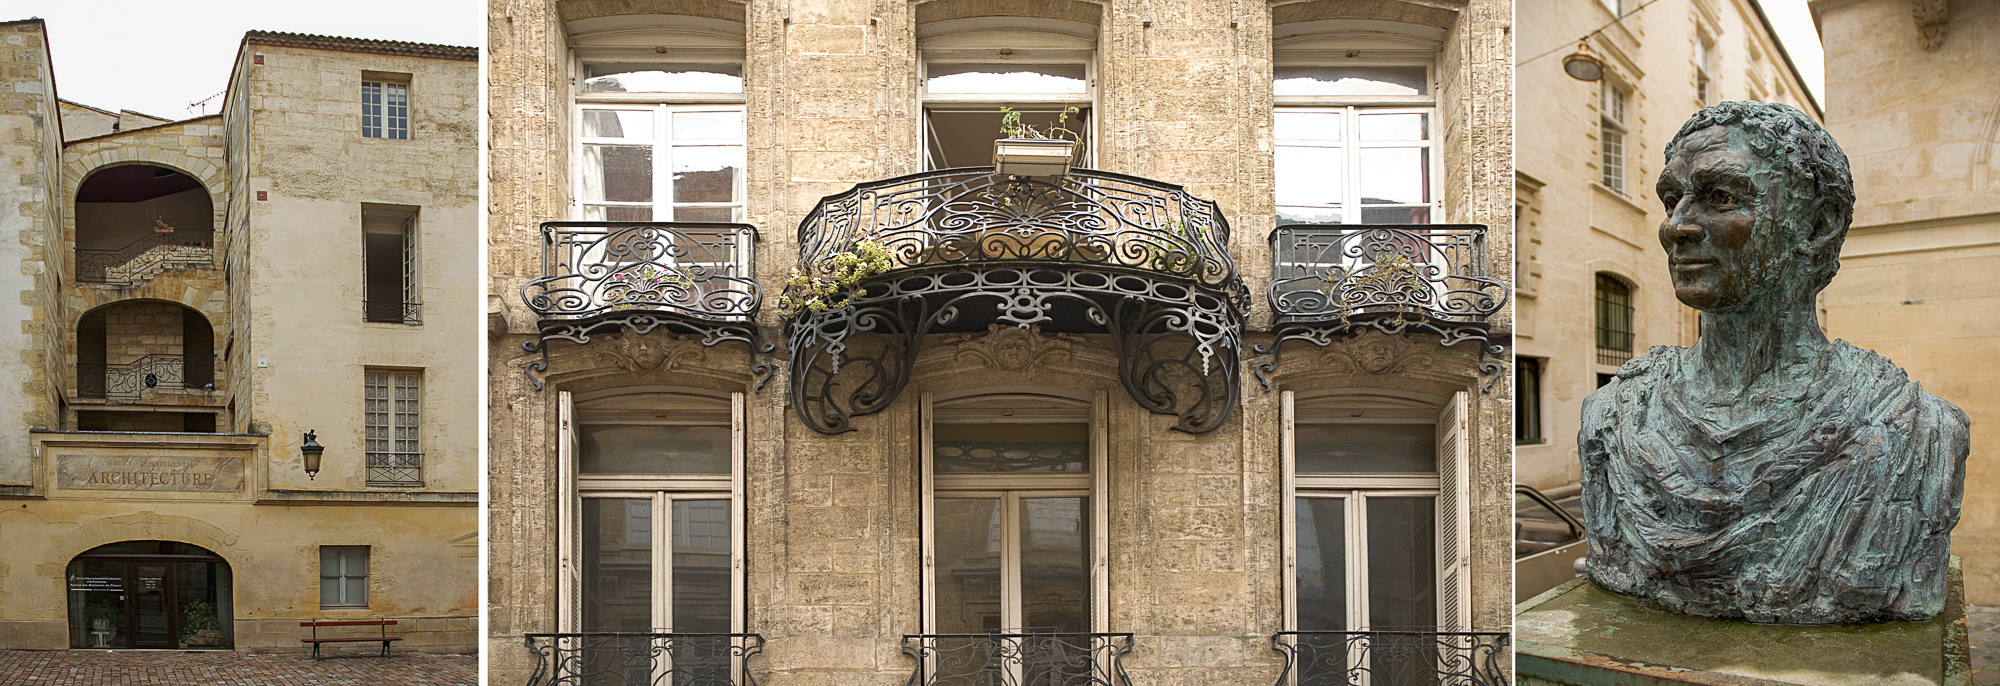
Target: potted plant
x=643, y=285
x=199, y=626
x=1028, y=151
x=832, y=286
x=105, y=618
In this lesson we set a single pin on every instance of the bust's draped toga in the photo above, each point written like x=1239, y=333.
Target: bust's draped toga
x=1831, y=504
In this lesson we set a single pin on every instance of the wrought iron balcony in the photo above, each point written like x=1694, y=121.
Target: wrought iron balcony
x=392, y=312
x=1393, y=658
x=141, y=260
x=685, y=277
x=958, y=250
x=1333, y=281
x=635, y=659
x=1019, y=659
x=131, y=380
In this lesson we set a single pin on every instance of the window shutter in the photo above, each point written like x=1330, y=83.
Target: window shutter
x=409, y=266
x=1454, y=549
x=571, y=585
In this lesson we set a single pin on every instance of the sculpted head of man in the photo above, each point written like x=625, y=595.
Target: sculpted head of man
x=1758, y=200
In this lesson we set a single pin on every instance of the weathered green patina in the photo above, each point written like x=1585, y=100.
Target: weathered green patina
x=1767, y=473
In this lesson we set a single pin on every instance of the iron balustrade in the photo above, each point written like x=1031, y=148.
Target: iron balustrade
x=687, y=277
x=158, y=251
x=1089, y=252
x=395, y=469
x=392, y=312
x=1394, y=658
x=1335, y=281
x=639, y=658
x=1019, y=659
x=130, y=380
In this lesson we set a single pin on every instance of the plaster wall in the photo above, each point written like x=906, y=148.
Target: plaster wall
x=113, y=225
x=1915, y=283
x=832, y=532
x=30, y=169
x=308, y=354
x=1575, y=226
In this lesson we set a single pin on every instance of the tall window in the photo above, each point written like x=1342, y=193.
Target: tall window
x=1611, y=131
x=393, y=426
x=652, y=533
x=660, y=130
x=1704, y=68
x=385, y=109
x=1354, y=144
x=389, y=246
x=1527, y=400
x=1013, y=484
x=343, y=576
x=1614, y=320
x=1039, y=68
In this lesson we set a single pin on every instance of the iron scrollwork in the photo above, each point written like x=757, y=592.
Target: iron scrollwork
x=131, y=380
x=1360, y=658
x=1333, y=282
x=1091, y=252
x=635, y=277
x=642, y=659
x=1019, y=659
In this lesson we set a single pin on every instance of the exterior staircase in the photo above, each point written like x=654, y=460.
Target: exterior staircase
x=144, y=259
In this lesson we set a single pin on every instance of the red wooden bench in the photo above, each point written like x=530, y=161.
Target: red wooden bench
x=385, y=639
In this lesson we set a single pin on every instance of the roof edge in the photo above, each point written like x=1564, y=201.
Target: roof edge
x=369, y=45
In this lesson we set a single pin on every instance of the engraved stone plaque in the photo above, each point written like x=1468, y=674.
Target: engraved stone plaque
x=146, y=473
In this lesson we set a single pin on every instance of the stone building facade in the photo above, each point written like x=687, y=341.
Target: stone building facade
x=195, y=297
x=1041, y=415
x=1593, y=289
x=1909, y=96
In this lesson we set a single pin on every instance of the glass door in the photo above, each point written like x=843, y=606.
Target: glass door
x=149, y=605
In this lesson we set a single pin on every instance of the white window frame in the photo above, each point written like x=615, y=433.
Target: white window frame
x=392, y=121
x=1449, y=486
x=663, y=490
x=678, y=40
x=1614, y=138
x=1704, y=65
x=663, y=146
x=958, y=49
x=1011, y=487
x=1353, y=106
x=341, y=575
x=401, y=453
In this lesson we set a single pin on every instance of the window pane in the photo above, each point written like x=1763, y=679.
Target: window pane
x=624, y=213
x=662, y=78
x=617, y=124
x=704, y=214
x=357, y=590
x=1011, y=448
x=1394, y=127
x=1309, y=215
x=329, y=591
x=1309, y=176
x=967, y=569
x=1006, y=78
x=1055, y=576
x=618, y=173
x=701, y=566
x=1395, y=215
x=707, y=173
x=726, y=126
x=1309, y=126
x=617, y=574
x=1366, y=448
x=964, y=137
x=653, y=449
x=1395, y=176
x=1350, y=81
x=1322, y=564
x=1402, y=569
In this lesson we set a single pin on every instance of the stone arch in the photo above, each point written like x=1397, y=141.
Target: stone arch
x=133, y=324
x=576, y=10
x=80, y=171
x=141, y=526
x=1421, y=14
x=150, y=594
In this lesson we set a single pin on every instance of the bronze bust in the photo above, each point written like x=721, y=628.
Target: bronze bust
x=1767, y=473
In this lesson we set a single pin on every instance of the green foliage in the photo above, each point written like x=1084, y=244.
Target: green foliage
x=1392, y=273
x=112, y=613
x=638, y=286
x=832, y=287
x=1011, y=127
x=1172, y=261
x=198, y=615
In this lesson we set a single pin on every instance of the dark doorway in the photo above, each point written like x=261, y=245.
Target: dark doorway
x=150, y=594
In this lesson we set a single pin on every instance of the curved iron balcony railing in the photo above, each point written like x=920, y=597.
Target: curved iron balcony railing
x=131, y=380
x=1393, y=658
x=140, y=260
x=688, y=277
x=1019, y=659
x=1333, y=281
x=1089, y=252
x=621, y=658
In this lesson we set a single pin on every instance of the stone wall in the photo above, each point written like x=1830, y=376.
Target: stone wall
x=29, y=234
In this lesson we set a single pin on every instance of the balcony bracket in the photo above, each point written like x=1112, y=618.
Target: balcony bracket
x=1334, y=282
x=1179, y=348
x=710, y=334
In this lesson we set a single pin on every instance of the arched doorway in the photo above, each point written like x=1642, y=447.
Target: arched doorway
x=149, y=594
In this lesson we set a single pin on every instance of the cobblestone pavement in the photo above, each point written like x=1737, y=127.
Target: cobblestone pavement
x=1982, y=626
x=219, y=668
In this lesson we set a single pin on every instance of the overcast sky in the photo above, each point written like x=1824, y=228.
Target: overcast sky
x=156, y=56
x=1793, y=23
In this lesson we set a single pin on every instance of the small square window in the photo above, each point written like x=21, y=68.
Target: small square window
x=385, y=109
x=343, y=576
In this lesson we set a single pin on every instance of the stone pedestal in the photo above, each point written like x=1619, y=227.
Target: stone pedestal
x=1581, y=635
